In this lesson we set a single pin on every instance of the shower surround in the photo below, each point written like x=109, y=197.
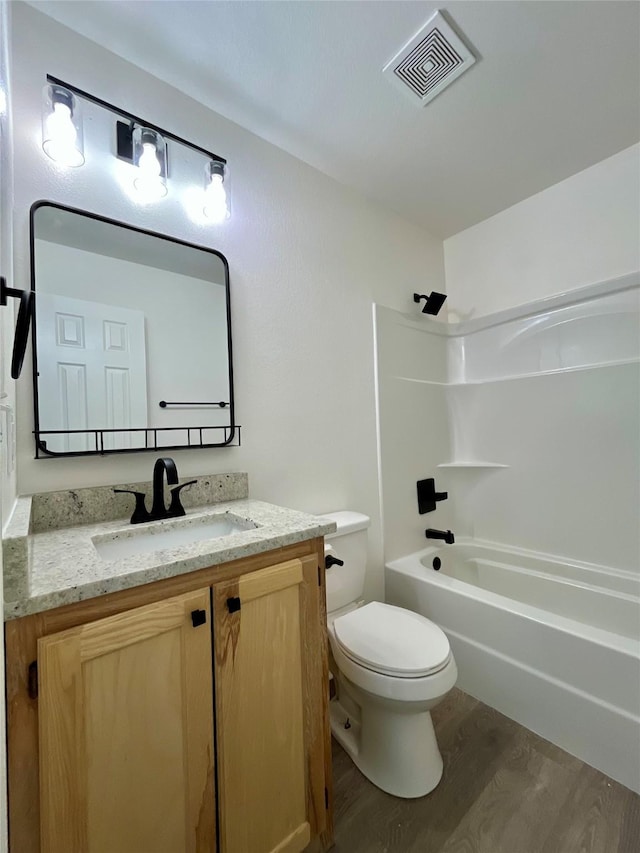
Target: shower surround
x=530, y=420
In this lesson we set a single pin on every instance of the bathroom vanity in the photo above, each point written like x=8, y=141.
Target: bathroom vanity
x=167, y=700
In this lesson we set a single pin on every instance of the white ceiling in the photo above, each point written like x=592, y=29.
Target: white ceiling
x=556, y=89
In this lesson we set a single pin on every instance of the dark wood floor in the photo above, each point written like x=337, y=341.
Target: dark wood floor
x=504, y=790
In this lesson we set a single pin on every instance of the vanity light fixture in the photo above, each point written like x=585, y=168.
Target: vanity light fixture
x=62, y=137
x=216, y=204
x=138, y=142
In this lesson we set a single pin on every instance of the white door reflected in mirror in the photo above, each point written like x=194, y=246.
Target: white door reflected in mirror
x=127, y=320
x=92, y=366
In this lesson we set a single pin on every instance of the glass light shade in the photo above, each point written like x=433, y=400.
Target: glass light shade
x=150, y=160
x=62, y=136
x=216, y=203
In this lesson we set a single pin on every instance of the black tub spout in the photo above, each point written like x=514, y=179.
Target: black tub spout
x=446, y=535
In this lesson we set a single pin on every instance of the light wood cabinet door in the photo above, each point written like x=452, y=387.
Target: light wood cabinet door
x=260, y=710
x=126, y=732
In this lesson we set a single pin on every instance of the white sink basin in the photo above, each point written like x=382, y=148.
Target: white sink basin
x=162, y=535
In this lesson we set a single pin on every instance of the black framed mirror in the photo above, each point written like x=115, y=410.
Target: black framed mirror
x=132, y=338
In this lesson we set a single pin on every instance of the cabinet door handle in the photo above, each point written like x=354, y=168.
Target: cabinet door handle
x=198, y=617
x=23, y=323
x=32, y=680
x=233, y=604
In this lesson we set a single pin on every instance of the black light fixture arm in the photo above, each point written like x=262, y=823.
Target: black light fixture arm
x=87, y=96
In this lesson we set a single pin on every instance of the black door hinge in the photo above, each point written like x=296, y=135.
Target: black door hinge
x=233, y=604
x=32, y=680
x=326, y=798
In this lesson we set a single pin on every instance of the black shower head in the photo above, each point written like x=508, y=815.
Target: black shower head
x=433, y=302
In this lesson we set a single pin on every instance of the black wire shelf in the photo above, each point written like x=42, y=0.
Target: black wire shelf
x=195, y=437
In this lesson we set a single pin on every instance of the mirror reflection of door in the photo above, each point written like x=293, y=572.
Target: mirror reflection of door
x=125, y=320
x=92, y=370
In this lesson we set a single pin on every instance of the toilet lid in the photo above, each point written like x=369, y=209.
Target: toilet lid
x=392, y=641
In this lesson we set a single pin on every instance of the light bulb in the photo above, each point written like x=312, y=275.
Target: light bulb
x=62, y=132
x=150, y=180
x=216, y=206
x=149, y=164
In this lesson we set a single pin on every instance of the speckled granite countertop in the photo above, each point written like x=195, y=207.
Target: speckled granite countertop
x=60, y=566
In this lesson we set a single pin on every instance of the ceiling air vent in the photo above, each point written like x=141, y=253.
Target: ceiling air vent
x=430, y=61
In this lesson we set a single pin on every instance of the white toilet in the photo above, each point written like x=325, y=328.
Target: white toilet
x=393, y=666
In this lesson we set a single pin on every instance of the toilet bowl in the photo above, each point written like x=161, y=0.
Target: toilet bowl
x=390, y=666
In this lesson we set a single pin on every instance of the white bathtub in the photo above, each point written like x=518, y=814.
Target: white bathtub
x=552, y=644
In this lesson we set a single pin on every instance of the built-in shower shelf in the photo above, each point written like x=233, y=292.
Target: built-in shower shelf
x=472, y=465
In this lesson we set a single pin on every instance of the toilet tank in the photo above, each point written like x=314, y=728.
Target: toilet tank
x=345, y=584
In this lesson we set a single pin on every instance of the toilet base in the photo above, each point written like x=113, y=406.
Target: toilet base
x=398, y=752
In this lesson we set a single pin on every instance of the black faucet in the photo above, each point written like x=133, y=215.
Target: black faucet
x=447, y=535
x=164, y=466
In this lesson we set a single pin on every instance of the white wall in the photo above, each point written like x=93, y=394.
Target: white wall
x=9, y=313
x=307, y=259
x=582, y=230
x=7, y=386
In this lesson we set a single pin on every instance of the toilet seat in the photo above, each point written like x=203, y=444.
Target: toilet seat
x=392, y=641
